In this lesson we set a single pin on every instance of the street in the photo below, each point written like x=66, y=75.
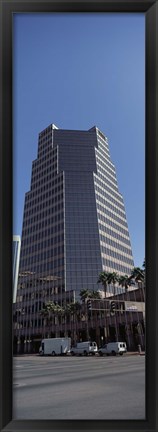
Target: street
x=79, y=387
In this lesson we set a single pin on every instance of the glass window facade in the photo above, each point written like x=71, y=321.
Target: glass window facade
x=74, y=223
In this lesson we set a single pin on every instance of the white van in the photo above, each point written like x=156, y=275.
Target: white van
x=55, y=346
x=84, y=348
x=113, y=348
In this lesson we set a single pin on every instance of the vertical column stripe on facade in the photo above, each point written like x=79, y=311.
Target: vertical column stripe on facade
x=16, y=260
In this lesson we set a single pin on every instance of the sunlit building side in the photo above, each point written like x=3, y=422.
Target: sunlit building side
x=16, y=261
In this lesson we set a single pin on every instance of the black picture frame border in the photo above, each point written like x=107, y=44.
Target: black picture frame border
x=7, y=9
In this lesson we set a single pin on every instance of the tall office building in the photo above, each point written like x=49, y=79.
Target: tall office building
x=74, y=223
x=16, y=259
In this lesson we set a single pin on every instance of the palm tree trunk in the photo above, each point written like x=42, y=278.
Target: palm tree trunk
x=87, y=326
x=115, y=317
x=116, y=328
x=97, y=329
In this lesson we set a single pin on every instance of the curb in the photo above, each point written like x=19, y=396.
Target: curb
x=135, y=353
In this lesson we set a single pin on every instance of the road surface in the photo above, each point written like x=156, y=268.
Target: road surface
x=77, y=387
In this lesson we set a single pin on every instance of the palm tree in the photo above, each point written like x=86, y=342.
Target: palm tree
x=76, y=308
x=47, y=313
x=58, y=312
x=95, y=295
x=103, y=279
x=124, y=281
x=51, y=310
x=144, y=270
x=138, y=274
x=112, y=279
x=76, y=314
x=85, y=294
x=73, y=311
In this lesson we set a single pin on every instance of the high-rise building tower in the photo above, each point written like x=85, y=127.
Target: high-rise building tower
x=74, y=223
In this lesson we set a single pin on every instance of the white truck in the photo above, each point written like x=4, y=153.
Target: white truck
x=113, y=348
x=84, y=348
x=55, y=346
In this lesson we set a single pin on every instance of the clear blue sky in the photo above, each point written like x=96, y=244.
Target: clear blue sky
x=80, y=70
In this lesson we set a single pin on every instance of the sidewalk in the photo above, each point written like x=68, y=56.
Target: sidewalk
x=128, y=353
x=135, y=353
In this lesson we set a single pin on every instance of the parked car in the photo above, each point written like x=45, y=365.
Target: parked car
x=84, y=348
x=113, y=348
